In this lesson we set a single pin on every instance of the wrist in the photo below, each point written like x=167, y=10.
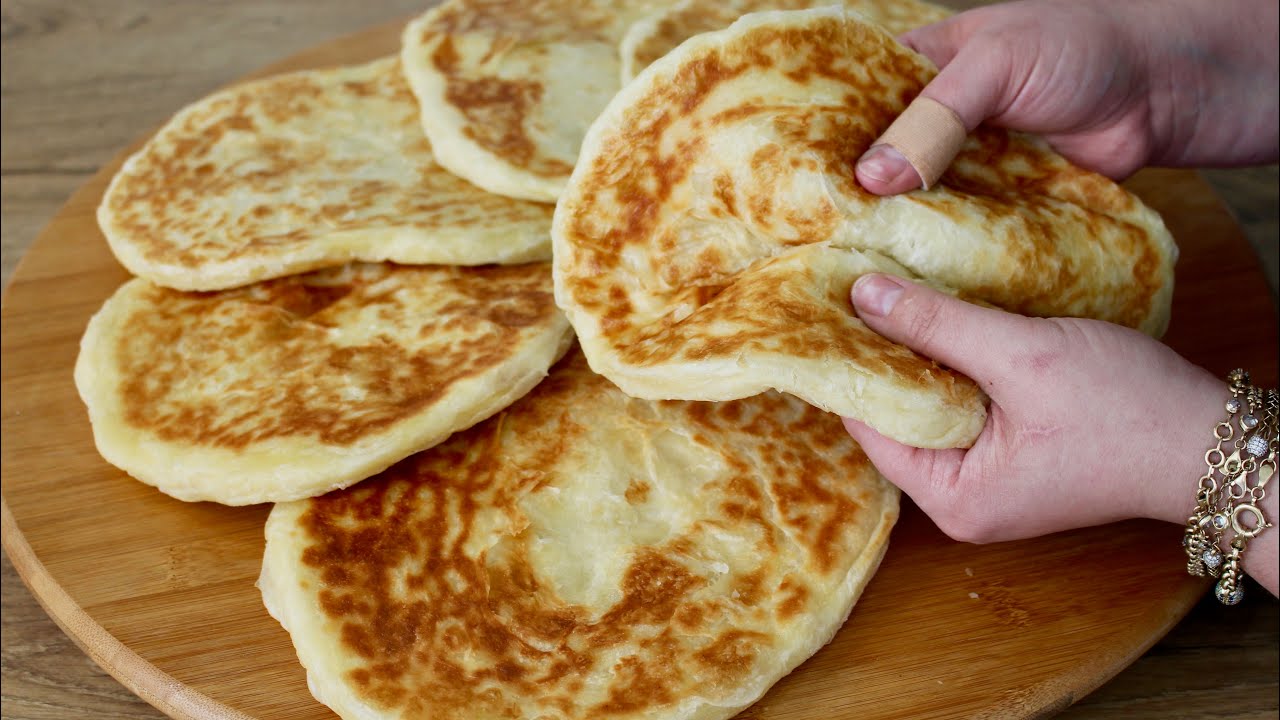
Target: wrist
x=1170, y=85
x=1167, y=491
x=1211, y=75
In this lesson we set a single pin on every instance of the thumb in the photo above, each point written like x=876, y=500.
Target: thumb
x=951, y=331
x=920, y=145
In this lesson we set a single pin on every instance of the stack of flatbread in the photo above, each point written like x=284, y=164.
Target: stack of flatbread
x=356, y=299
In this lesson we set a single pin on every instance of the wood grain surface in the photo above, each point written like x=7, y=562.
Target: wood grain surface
x=82, y=79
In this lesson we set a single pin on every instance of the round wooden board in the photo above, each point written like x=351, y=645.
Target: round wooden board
x=161, y=593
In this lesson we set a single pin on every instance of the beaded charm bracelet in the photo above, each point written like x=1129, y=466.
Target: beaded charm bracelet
x=1229, y=494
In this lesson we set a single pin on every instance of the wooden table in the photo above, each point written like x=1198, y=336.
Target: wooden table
x=80, y=80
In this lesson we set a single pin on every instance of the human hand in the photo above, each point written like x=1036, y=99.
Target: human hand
x=1085, y=417
x=1089, y=422
x=1111, y=86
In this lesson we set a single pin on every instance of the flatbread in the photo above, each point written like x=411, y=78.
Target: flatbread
x=583, y=555
x=299, y=172
x=707, y=241
x=659, y=33
x=508, y=89
x=293, y=387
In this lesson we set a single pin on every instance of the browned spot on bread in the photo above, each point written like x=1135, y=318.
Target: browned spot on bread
x=496, y=110
x=637, y=491
x=747, y=588
x=639, y=685
x=724, y=193
x=794, y=598
x=732, y=653
x=652, y=589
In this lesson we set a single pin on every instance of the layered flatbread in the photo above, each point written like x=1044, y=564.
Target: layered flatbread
x=293, y=387
x=299, y=172
x=583, y=554
x=708, y=239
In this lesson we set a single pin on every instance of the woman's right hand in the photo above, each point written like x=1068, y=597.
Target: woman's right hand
x=1111, y=85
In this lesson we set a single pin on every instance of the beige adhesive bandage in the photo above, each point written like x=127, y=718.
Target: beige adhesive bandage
x=928, y=134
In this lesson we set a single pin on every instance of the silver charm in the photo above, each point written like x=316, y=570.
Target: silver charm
x=1256, y=445
x=1212, y=559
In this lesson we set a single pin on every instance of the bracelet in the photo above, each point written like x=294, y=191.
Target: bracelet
x=1230, y=493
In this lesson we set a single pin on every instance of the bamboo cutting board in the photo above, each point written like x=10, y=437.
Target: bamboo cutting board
x=160, y=593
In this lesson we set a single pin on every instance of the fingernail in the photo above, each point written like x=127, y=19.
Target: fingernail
x=885, y=165
x=876, y=294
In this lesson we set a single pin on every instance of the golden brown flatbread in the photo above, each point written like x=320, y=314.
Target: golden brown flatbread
x=708, y=239
x=293, y=387
x=583, y=554
x=299, y=172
